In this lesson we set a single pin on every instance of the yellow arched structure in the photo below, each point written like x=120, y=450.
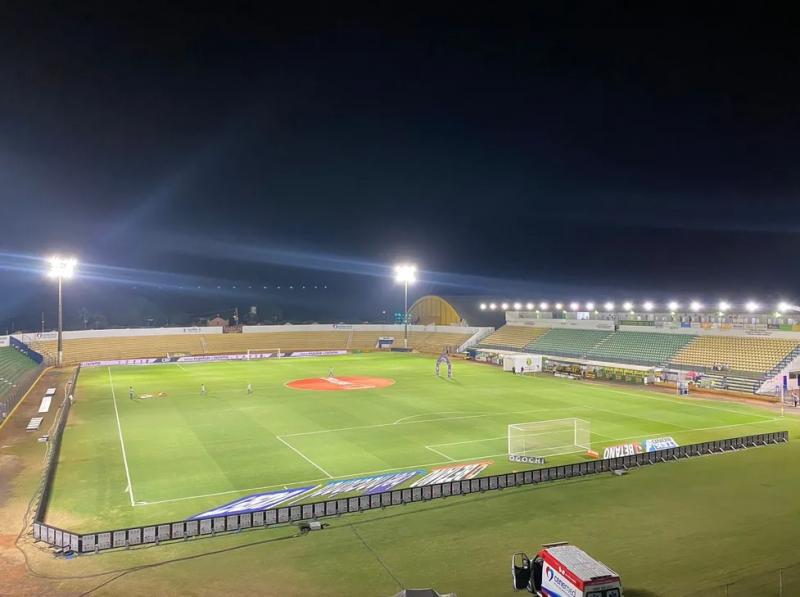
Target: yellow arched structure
x=432, y=309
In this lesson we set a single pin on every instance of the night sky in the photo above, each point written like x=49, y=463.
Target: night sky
x=518, y=150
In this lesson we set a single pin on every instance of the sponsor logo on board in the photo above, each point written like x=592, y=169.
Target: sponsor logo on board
x=629, y=449
x=366, y=485
x=256, y=502
x=659, y=443
x=459, y=472
x=527, y=459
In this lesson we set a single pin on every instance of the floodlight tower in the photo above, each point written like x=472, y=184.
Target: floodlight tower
x=61, y=268
x=405, y=274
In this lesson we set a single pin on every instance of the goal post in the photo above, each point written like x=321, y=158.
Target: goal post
x=264, y=353
x=536, y=440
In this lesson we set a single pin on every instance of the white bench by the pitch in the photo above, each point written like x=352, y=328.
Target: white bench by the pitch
x=34, y=424
x=45, y=405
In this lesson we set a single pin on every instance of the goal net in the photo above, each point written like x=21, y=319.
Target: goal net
x=539, y=439
x=264, y=353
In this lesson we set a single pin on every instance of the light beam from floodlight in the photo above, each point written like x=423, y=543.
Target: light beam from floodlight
x=724, y=306
x=627, y=305
x=783, y=306
x=590, y=306
x=517, y=306
x=492, y=306
x=559, y=306
x=609, y=306
x=529, y=306
x=574, y=306
x=405, y=274
x=543, y=305
x=61, y=268
x=648, y=305
x=751, y=306
x=504, y=306
x=673, y=305
x=483, y=306
x=696, y=306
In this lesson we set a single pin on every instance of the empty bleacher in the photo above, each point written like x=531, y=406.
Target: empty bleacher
x=735, y=353
x=640, y=348
x=135, y=347
x=512, y=337
x=14, y=366
x=568, y=343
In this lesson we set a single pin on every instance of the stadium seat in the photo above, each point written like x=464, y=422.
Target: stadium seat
x=758, y=356
x=512, y=337
x=641, y=348
x=569, y=343
x=13, y=369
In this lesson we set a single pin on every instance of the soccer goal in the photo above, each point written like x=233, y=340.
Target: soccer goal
x=532, y=442
x=264, y=353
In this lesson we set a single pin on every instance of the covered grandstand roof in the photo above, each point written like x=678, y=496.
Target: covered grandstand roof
x=453, y=310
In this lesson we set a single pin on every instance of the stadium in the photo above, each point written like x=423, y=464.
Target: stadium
x=394, y=300
x=163, y=436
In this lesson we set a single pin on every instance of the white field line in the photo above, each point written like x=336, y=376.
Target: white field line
x=442, y=454
x=304, y=457
x=469, y=441
x=121, y=441
x=444, y=412
x=404, y=468
x=497, y=414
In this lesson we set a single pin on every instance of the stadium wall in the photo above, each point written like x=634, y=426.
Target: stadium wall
x=523, y=318
x=120, y=332
x=209, y=526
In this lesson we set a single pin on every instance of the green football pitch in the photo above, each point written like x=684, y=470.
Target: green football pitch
x=172, y=452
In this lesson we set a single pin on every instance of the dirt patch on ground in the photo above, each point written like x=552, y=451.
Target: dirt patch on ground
x=340, y=384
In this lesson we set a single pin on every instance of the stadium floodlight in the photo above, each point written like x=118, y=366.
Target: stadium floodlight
x=405, y=274
x=724, y=306
x=574, y=306
x=483, y=306
x=673, y=305
x=61, y=268
x=590, y=306
x=648, y=305
x=609, y=306
x=559, y=306
x=751, y=306
x=784, y=306
x=696, y=306
x=492, y=306
x=543, y=306
x=517, y=306
x=504, y=306
x=529, y=306
x=627, y=305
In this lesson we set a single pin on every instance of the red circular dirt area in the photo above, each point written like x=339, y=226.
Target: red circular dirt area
x=339, y=384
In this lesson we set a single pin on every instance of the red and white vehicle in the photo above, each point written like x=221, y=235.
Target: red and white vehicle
x=563, y=570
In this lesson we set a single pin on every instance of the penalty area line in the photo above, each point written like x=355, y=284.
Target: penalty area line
x=304, y=457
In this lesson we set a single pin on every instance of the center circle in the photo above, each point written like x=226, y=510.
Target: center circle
x=339, y=384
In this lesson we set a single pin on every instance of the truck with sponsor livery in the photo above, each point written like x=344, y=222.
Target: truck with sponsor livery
x=563, y=570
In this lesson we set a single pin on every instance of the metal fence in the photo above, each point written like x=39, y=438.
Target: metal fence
x=54, y=446
x=783, y=582
x=184, y=529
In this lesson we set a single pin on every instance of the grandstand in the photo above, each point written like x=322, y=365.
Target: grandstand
x=639, y=348
x=77, y=350
x=568, y=343
x=13, y=367
x=513, y=337
x=757, y=356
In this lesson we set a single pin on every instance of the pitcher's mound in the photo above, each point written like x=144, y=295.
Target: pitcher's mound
x=327, y=384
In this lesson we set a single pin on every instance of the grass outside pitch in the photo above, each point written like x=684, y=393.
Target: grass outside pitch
x=138, y=461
